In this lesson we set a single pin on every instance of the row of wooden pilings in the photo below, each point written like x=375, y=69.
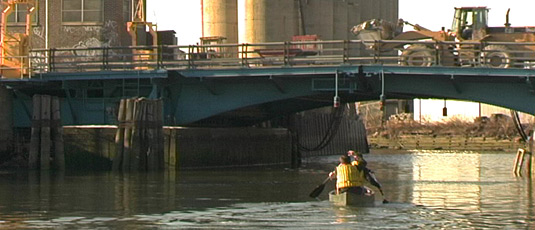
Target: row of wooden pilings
x=46, y=143
x=139, y=138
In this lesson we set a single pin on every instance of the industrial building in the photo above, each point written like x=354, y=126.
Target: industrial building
x=73, y=23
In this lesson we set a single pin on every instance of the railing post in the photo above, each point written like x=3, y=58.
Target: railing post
x=286, y=53
x=481, y=61
x=105, y=58
x=21, y=67
x=159, y=61
x=376, y=52
x=29, y=66
x=190, y=57
x=345, y=52
x=51, y=54
x=245, y=55
x=437, y=53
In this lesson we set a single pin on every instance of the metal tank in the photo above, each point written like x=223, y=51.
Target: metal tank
x=220, y=19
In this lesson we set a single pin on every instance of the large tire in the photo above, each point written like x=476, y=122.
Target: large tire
x=497, y=56
x=418, y=55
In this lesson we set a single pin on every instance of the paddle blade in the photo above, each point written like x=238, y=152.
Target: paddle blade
x=317, y=191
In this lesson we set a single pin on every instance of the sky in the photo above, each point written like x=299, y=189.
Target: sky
x=184, y=16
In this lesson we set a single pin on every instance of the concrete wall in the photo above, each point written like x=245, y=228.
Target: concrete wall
x=187, y=147
x=6, y=119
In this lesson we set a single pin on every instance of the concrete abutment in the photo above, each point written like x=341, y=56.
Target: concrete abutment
x=6, y=122
x=186, y=147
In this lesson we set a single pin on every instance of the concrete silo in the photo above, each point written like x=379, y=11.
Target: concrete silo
x=279, y=20
x=332, y=19
x=220, y=19
x=269, y=20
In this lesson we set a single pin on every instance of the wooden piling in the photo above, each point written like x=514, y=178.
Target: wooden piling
x=134, y=139
x=35, y=133
x=519, y=162
x=531, y=165
x=144, y=131
x=45, y=132
x=142, y=138
x=152, y=152
x=119, y=136
x=129, y=116
x=155, y=135
x=137, y=159
x=57, y=135
x=159, y=132
x=531, y=161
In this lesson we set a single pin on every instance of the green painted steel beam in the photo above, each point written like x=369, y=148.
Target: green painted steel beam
x=98, y=75
x=195, y=95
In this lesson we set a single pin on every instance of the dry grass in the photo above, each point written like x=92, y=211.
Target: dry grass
x=496, y=127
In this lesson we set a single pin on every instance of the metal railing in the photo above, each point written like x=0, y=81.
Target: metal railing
x=276, y=54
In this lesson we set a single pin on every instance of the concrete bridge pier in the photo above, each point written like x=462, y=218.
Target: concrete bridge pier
x=6, y=121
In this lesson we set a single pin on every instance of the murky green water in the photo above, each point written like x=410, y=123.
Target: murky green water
x=433, y=190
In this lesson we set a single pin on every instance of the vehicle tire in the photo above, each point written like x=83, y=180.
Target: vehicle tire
x=418, y=55
x=497, y=56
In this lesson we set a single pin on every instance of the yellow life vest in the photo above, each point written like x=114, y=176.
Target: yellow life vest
x=347, y=175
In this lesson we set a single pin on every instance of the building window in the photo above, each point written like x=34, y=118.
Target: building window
x=18, y=15
x=82, y=10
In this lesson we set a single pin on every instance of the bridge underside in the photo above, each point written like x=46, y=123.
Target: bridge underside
x=243, y=97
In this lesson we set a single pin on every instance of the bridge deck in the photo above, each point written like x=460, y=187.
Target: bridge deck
x=239, y=86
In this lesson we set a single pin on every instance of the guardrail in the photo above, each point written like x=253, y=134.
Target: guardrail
x=273, y=54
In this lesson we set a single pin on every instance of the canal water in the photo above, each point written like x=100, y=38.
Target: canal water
x=425, y=190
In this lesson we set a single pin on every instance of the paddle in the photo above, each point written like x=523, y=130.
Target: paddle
x=316, y=192
x=373, y=180
x=384, y=200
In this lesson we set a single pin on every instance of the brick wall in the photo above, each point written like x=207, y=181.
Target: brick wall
x=111, y=31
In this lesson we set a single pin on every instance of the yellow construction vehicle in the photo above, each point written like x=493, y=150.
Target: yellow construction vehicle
x=469, y=39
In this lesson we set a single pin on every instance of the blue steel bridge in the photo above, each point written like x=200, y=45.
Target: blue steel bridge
x=244, y=84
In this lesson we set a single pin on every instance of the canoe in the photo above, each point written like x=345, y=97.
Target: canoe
x=352, y=199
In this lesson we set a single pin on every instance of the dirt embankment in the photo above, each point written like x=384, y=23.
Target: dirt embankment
x=400, y=132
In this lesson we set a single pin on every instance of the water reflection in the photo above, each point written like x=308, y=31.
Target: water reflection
x=426, y=189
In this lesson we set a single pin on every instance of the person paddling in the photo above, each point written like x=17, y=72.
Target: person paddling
x=348, y=177
x=361, y=164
